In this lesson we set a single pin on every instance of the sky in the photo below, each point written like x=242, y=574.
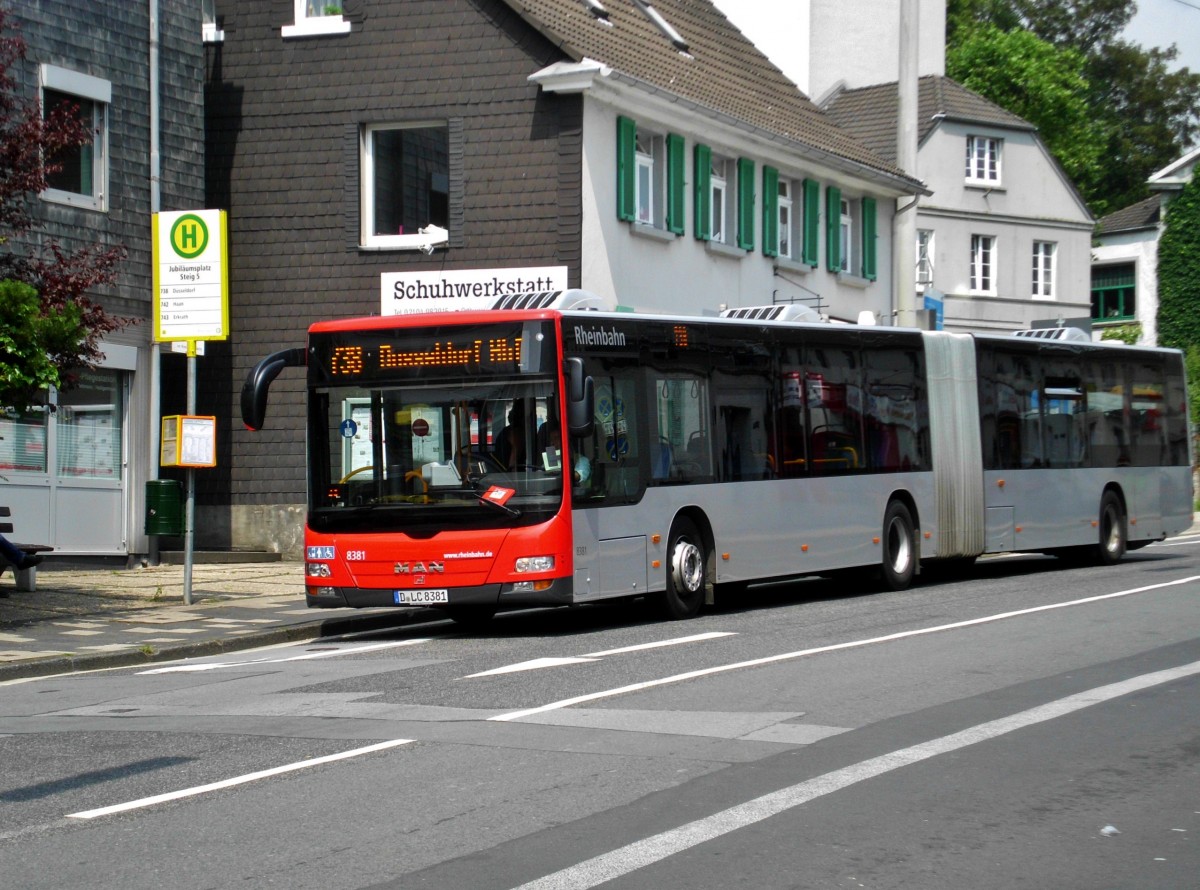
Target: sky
x=1160, y=23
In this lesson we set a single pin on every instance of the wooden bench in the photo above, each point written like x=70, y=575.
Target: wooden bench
x=26, y=578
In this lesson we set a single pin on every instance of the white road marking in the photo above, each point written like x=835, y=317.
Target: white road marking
x=550, y=661
x=532, y=665
x=677, y=641
x=836, y=647
x=237, y=780
x=630, y=858
x=307, y=656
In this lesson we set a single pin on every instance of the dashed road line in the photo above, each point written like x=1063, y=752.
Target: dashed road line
x=836, y=647
x=551, y=661
x=236, y=780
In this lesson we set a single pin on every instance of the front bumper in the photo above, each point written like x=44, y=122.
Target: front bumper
x=559, y=593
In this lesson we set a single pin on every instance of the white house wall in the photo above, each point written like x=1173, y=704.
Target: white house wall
x=680, y=274
x=1033, y=203
x=1141, y=249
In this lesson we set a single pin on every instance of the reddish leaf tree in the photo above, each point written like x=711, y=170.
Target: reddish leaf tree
x=63, y=279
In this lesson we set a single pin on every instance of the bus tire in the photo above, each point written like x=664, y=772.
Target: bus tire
x=1114, y=535
x=687, y=572
x=899, y=563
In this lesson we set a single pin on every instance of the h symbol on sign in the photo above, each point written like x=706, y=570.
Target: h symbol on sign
x=189, y=236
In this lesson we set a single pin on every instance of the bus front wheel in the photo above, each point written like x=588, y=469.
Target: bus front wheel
x=899, y=563
x=687, y=572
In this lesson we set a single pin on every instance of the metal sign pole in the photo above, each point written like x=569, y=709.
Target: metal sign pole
x=189, y=524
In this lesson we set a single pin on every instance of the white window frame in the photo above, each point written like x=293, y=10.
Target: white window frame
x=983, y=265
x=99, y=93
x=984, y=156
x=367, y=235
x=721, y=221
x=846, y=232
x=209, y=32
x=787, y=228
x=924, y=259
x=649, y=183
x=1044, y=268
x=312, y=21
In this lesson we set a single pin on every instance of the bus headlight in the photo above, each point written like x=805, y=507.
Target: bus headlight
x=318, y=570
x=535, y=564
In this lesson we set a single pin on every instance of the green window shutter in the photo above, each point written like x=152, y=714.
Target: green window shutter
x=675, y=173
x=626, y=169
x=812, y=224
x=703, y=203
x=770, y=211
x=868, y=238
x=745, y=233
x=833, y=225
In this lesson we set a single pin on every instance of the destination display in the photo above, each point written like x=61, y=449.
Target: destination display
x=522, y=348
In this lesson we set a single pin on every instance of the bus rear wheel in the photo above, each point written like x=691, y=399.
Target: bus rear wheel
x=687, y=572
x=899, y=563
x=1113, y=534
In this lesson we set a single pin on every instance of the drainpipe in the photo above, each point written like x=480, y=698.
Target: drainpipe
x=904, y=228
x=155, y=207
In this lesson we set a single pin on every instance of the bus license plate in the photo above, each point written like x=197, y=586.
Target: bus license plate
x=421, y=597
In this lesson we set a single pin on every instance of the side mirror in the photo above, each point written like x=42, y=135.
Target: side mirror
x=258, y=382
x=581, y=399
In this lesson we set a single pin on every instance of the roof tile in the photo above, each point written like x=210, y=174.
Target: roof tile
x=721, y=70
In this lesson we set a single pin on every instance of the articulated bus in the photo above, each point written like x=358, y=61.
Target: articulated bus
x=479, y=460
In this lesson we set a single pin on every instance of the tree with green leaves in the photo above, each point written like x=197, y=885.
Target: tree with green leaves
x=1141, y=115
x=1043, y=84
x=34, y=341
x=51, y=326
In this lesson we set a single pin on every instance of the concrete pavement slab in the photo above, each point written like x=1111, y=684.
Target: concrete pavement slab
x=92, y=616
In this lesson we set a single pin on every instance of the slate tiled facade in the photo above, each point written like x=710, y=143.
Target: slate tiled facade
x=109, y=42
x=284, y=120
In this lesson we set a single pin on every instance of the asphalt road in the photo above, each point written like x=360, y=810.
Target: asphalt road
x=1030, y=725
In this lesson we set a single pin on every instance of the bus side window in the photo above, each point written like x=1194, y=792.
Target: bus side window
x=896, y=415
x=1108, y=437
x=1148, y=414
x=833, y=385
x=679, y=448
x=791, y=456
x=612, y=450
x=1009, y=413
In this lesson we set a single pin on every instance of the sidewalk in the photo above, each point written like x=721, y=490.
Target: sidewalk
x=88, y=617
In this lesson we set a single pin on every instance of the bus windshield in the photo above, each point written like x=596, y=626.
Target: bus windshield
x=423, y=455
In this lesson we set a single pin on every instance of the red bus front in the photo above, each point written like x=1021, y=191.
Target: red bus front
x=438, y=472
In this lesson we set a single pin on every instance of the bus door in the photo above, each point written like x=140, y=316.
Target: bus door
x=609, y=529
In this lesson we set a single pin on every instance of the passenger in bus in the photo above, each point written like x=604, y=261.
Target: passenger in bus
x=510, y=443
x=550, y=447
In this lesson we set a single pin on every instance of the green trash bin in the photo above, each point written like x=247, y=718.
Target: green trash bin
x=164, y=507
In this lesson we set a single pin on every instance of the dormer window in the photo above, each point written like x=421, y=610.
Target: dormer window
x=983, y=160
